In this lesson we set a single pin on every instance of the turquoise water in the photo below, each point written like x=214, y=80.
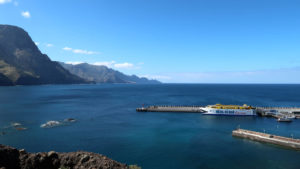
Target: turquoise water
x=107, y=123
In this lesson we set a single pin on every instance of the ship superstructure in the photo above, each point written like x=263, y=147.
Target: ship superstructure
x=234, y=110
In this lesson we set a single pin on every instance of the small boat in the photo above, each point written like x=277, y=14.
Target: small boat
x=284, y=119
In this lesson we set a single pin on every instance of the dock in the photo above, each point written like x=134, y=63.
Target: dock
x=275, y=112
x=265, y=111
x=267, y=138
x=192, y=109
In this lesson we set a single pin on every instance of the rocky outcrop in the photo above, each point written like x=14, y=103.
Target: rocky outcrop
x=11, y=158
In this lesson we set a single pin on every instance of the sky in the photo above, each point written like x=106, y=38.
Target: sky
x=174, y=41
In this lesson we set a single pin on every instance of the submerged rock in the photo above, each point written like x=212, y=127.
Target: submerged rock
x=12, y=158
x=69, y=120
x=20, y=128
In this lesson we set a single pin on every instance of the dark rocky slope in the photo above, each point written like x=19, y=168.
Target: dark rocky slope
x=22, y=63
x=103, y=74
x=11, y=158
x=5, y=81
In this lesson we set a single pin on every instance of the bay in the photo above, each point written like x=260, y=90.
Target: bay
x=107, y=123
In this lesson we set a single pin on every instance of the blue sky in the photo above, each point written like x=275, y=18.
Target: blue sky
x=202, y=41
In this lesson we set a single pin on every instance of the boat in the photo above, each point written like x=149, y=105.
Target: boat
x=284, y=119
x=231, y=110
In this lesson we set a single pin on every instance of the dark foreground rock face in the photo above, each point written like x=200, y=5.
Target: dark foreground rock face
x=11, y=158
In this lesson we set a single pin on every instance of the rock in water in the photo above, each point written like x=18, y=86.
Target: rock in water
x=50, y=124
x=16, y=124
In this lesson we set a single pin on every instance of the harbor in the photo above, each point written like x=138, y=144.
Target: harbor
x=282, y=114
x=267, y=138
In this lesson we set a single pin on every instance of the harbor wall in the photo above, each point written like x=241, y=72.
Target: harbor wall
x=171, y=109
x=267, y=138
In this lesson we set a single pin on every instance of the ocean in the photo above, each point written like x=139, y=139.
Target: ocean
x=107, y=123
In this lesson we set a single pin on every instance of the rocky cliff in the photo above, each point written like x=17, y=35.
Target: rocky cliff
x=22, y=63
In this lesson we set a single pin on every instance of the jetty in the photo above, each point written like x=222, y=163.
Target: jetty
x=192, y=109
x=267, y=138
x=263, y=111
x=271, y=111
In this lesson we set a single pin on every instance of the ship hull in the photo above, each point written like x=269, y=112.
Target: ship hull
x=229, y=112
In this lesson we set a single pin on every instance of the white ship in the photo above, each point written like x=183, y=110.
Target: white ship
x=233, y=110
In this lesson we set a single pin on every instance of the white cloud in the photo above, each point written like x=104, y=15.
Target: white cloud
x=67, y=48
x=123, y=65
x=37, y=43
x=74, y=63
x=49, y=45
x=25, y=14
x=86, y=52
x=4, y=1
x=108, y=64
x=80, y=51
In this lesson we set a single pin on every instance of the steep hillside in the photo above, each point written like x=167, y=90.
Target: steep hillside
x=22, y=63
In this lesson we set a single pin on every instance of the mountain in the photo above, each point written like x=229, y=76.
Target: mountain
x=22, y=63
x=103, y=74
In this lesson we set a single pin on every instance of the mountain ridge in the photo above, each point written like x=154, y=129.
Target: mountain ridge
x=103, y=74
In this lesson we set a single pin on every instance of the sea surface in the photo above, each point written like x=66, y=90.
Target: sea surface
x=107, y=123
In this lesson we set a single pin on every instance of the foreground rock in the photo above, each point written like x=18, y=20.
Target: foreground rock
x=11, y=158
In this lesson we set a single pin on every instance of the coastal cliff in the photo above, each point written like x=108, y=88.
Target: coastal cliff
x=11, y=158
x=22, y=63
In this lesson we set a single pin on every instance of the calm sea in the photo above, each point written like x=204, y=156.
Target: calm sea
x=107, y=123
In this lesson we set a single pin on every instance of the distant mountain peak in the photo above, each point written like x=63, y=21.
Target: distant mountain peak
x=103, y=74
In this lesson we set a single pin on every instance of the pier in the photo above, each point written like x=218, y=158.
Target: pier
x=192, y=109
x=267, y=138
x=276, y=112
x=295, y=110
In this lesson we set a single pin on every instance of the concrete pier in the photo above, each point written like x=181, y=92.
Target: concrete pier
x=195, y=109
x=293, y=110
x=267, y=138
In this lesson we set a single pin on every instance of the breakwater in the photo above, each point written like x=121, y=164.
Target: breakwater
x=195, y=109
x=267, y=138
x=276, y=112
